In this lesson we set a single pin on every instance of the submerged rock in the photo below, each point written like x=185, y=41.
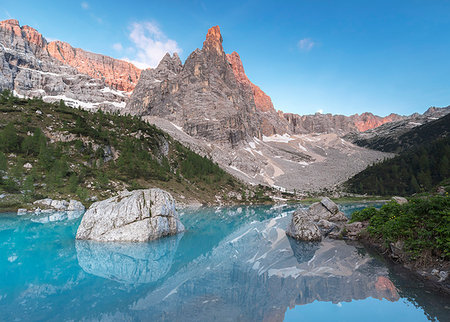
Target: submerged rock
x=136, y=216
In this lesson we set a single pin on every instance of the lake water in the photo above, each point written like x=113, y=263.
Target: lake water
x=231, y=264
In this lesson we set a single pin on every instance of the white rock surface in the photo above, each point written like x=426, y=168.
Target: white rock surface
x=136, y=216
x=75, y=205
x=400, y=200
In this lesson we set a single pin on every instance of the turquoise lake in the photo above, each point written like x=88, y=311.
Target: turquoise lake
x=231, y=264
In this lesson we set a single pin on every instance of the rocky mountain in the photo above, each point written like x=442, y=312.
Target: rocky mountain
x=407, y=132
x=210, y=105
x=341, y=124
x=29, y=68
x=203, y=96
x=118, y=74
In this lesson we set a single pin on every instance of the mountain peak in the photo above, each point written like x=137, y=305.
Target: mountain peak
x=214, y=40
x=12, y=22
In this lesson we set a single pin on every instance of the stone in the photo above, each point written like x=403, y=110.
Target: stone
x=399, y=200
x=75, y=205
x=302, y=227
x=443, y=276
x=330, y=205
x=136, y=216
x=21, y=211
x=28, y=166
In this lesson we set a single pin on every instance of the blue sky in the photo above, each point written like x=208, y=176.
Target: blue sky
x=340, y=57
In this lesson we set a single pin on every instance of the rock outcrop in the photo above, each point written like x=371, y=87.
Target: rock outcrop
x=321, y=218
x=136, y=216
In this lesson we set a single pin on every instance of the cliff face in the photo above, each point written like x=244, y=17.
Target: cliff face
x=117, y=74
x=340, y=124
x=262, y=100
x=28, y=69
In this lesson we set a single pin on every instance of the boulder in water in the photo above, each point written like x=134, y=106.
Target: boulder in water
x=136, y=216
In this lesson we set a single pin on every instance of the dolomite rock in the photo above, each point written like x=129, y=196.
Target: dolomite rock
x=400, y=200
x=136, y=216
x=303, y=228
x=321, y=218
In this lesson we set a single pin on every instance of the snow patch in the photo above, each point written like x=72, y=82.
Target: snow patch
x=285, y=138
x=112, y=91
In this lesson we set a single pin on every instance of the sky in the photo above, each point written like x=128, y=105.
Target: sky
x=339, y=57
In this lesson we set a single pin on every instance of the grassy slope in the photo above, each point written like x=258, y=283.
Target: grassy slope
x=78, y=154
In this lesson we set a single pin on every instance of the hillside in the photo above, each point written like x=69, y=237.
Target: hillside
x=51, y=150
x=415, y=170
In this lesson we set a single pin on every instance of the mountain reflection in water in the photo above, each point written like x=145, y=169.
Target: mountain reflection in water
x=231, y=264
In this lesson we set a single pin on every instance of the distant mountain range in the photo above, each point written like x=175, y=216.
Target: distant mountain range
x=208, y=103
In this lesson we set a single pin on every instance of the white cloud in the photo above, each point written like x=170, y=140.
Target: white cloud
x=117, y=46
x=150, y=45
x=84, y=5
x=306, y=44
x=320, y=111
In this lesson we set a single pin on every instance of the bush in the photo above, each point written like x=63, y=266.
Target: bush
x=423, y=224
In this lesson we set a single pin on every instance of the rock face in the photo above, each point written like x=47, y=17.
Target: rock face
x=262, y=100
x=203, y=97
x=305, y=223
x=28, y=69
x=118, y=74
x=340, y=124
x=136, y=216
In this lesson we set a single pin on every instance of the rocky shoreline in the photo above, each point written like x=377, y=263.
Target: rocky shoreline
x=324, y=220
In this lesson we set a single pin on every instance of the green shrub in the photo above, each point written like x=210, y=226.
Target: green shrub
x=422, y=223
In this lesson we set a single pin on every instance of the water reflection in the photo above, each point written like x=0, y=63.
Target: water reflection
x=258, y=272
x=130, y=263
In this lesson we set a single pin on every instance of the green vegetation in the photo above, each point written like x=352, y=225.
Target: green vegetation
x=423, y=224
x=413, y=171
x=51, y=150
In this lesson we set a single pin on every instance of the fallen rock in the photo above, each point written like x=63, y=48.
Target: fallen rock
x=399, y=200
x=136, y=216
x=303, y=228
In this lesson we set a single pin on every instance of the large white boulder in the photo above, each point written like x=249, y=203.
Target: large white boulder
x=136, y=216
